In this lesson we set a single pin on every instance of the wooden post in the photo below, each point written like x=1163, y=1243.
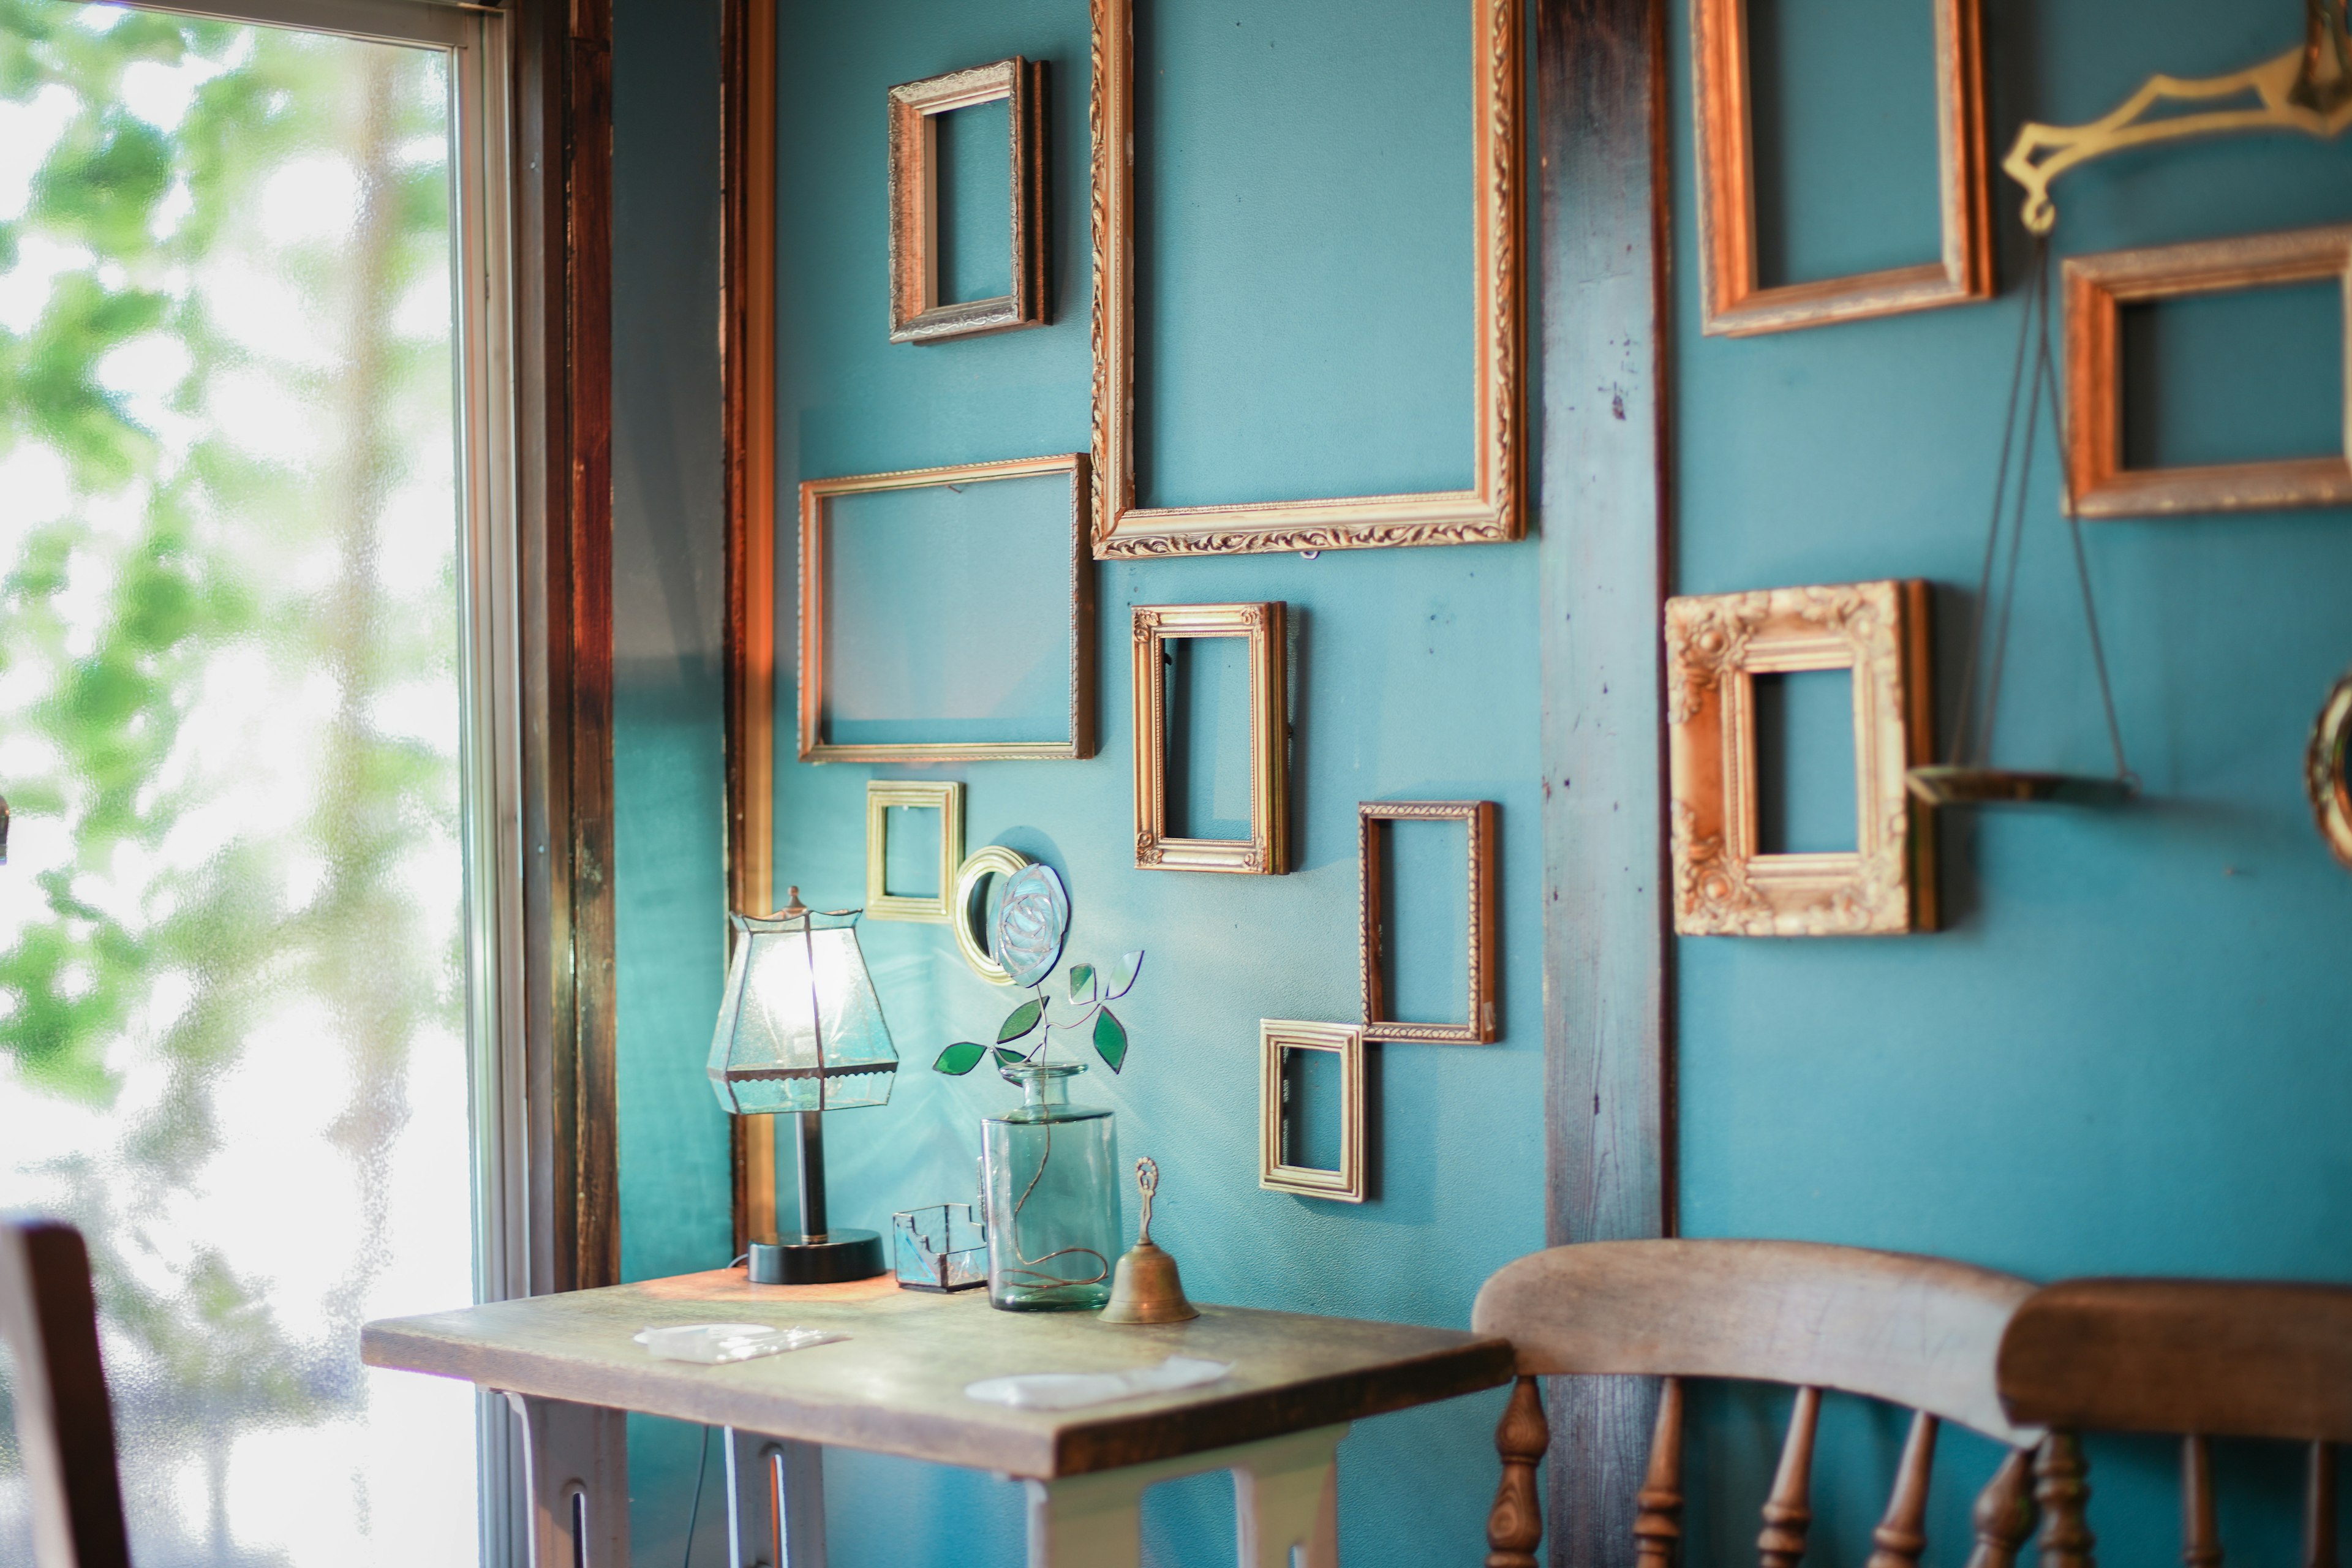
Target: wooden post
x=1515, y=1524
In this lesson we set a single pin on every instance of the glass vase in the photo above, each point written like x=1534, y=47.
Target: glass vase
x=1052, y=1196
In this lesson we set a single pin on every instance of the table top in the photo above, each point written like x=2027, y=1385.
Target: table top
x=895, y=1385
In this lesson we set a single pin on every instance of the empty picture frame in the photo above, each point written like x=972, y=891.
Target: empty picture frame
x=947, y=799
x=1266, y=851
x=1491, y=510
x=917, y=314
x=1377, y=945
x=1063, y=590
x=1735, y=303
x=2099, y=287
x=1716, y=646
x=1276, y=1038
x=968, y=912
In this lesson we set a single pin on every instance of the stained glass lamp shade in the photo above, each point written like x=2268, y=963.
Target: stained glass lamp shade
x=800, y=1030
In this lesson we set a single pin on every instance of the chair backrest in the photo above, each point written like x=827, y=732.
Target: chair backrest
x=65, y=1424
x=2201, y=1358
x=1918, y=1332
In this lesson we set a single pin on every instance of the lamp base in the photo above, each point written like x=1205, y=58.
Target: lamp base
x=826, y=1259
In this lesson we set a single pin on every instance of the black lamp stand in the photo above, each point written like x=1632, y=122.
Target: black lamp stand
x=818, y=1255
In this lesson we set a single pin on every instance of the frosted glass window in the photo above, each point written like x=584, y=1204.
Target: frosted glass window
x=231, y=925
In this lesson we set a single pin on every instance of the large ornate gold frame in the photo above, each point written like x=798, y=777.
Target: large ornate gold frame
x=1490, y=509
x=1266, y=851
x=1716, y=646
x=917, y=313
x=1348, y=1184
x=2325, y=770
x=815, y=493
x=1736, y=305
x=2098, y=287
x=1478, y=818
x=947, y=799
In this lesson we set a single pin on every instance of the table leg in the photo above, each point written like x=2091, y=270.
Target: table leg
x=779, y=1498
x=1286, y=1496
x=576, y=1457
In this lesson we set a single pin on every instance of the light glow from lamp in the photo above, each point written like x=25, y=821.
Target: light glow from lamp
x=800, y=1028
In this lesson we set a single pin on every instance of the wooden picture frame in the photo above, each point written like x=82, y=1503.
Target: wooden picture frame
x=1349, y=1184
x=1716, y=644
x=815, y=493
x=1266, y=851
x=1479, y=818
x=917, y=315
x=1733, y=301
x=1491, y=510
x=2096, y=290
x=947, y=799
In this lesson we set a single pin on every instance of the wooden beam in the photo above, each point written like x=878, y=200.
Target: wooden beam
x=1600, y=108
x=563, y=184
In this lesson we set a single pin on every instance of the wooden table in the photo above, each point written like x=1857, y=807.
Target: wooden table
x=569, y=1366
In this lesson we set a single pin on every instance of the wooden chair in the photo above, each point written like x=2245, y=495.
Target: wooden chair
x=1916, y=1331
x=2198, y=1358
x=65, y=1424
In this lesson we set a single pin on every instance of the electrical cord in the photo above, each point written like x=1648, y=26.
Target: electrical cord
x=694, y=1513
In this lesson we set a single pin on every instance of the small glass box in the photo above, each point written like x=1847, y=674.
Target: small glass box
x=941, y=1248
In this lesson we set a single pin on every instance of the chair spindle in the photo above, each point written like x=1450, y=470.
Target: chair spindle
x=1902, y=1535
x=2319, y=1510
x=1787, y=1513
x=2063, y=1493
x=2004, y=1513
x=1515, y=1524
x=2200, y=1540
x=1658, y=1526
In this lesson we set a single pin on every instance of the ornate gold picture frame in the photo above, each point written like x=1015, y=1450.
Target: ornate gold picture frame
x=947, y=799
x=1349, y=1184
x=2099, y=287
x=917, y=315
x=1479, y=819
x=1734, y=303
x=1266, y=851
x=1490, y=509
x=814, y=496
x=2328, y=771
x=1716, y=646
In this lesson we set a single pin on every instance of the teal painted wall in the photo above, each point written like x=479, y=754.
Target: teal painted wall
x=2126, y=1053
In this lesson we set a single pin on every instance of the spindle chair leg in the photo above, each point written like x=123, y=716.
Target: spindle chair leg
x=2200, y=1540
x=1788, y=1514
x=2064, y=1494
x=2319, y=1509
x=2004, y=1512
x=1902, y=1535
x=1658, y=1524
x=1515, y=1524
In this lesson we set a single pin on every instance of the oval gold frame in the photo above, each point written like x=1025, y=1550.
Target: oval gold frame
x=993, y=860
x=2324, y=769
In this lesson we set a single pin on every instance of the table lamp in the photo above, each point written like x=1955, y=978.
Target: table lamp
x=801, y=1031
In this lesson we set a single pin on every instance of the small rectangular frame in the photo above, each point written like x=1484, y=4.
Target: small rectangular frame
x=1478, y=817
x=1348, y=1183
x=1491, y=510
x=1266, y=851
x=1735, y=304
x=1716, y=644
x=2098, y=287
x=947, y=799
x=917, y=314
x=815, y=493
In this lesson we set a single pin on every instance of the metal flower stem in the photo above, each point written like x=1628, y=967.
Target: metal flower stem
x=1044, y=1039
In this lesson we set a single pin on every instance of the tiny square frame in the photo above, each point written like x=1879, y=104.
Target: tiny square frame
x=1479, y=818
x=813, y=609
x=917, y=313
x=1266, y=851
x=1735, y=304
x=947, y=799
x=1716, y=646
x=1347, y=1185
x=2098, y=287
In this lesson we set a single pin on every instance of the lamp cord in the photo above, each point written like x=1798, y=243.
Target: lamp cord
x=694, y=1513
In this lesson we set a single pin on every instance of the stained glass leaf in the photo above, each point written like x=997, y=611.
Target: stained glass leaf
x=1023, y=1019
x=958, y=1058
x=1110, y=1039
x=1082, y=984
x=1122, y=979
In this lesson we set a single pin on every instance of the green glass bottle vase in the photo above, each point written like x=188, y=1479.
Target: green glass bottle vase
x=1052, y=1196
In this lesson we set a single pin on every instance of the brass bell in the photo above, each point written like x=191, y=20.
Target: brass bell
x=1146, y=1287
